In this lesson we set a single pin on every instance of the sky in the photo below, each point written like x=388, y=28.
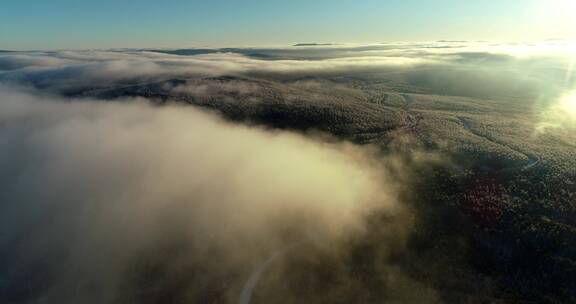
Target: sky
x=74, y=24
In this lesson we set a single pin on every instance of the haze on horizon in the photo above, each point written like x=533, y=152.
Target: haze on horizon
x=69, y=24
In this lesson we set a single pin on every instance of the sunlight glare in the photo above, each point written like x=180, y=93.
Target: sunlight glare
x=568, y=104
x=557, y=18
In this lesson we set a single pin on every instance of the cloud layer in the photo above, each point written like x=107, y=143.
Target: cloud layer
x=441, y=67
x=89, y=188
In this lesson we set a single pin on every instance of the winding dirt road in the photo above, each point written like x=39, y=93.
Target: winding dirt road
x=246, y=294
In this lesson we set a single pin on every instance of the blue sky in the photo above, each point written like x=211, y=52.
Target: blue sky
x=54, y=24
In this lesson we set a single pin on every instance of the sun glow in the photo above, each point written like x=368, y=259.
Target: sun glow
x=564, y=9
x=568, y=105
x=557, y=18
x=561, y=115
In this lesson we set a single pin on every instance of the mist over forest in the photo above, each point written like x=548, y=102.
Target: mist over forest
x=438, y=172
